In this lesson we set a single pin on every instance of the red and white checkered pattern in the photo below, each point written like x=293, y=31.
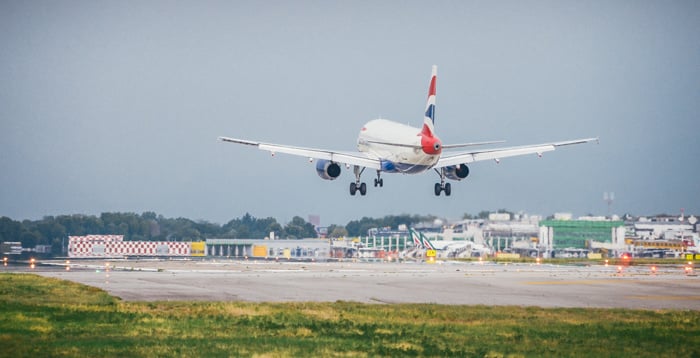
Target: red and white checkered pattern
x=114, y=246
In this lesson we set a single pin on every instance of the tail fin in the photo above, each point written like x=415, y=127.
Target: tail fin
x=429, y=119
x=426, y=243
x=416, y=239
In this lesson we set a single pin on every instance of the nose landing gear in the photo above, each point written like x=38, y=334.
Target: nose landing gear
x=378, y=181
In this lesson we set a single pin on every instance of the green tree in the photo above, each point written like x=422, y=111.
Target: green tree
x=300, y=229
x=10, y=230
x=336, y=231
x=29, y=239
x=360, y=227
x=249, y=227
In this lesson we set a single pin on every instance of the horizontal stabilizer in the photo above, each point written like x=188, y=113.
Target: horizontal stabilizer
x=394, y=144
x=474, y=144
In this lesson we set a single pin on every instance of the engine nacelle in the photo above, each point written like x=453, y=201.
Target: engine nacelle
x=327, y=170
x=457, y=172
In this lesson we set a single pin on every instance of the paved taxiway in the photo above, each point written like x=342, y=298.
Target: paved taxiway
x=442, y=283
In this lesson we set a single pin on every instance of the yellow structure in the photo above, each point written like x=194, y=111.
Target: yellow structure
x=659, y=244
x=691, y=257
x=504, y=255
x=430, y=256
x=259, y=251
x=198, y=248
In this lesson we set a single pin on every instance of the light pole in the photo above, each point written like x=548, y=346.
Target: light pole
x=609, y=198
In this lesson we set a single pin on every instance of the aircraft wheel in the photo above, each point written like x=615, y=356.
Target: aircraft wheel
x=381, y=183
x=363, y=189
x=448, y=189
x=353, y=188
x=376, y=182
x=438, y=189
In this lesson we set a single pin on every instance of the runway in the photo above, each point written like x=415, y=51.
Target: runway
x=387, y=283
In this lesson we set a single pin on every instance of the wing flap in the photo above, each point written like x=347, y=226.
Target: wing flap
x=335, y=156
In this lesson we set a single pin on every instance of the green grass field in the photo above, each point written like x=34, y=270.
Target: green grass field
x=42, y=317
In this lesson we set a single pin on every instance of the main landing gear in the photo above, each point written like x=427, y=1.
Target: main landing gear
x=442, y=186
x=362, y=187
x=354, y=187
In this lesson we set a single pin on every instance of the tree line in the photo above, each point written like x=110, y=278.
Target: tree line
x=148, y=226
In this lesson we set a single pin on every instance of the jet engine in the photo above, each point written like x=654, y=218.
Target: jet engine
x=457, y=172
x=327, y=170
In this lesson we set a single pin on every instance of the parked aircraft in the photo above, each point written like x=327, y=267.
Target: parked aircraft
x=390, y=147
x=446, y=248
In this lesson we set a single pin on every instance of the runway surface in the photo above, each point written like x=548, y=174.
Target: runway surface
x=441, y=283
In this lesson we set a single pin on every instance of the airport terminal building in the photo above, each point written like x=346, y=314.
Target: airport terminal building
x=578, y=234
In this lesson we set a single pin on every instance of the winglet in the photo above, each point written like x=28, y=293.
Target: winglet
x=239, y=141
x=576, y=141
x=429, y=119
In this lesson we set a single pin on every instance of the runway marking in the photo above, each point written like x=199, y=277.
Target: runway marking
x=665, y=298
x=580, y=282
x=202, y=271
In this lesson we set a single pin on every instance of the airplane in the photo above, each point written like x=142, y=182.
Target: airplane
x=419, y=240
x=422, y=241
x=391, y=147
x=446, y=246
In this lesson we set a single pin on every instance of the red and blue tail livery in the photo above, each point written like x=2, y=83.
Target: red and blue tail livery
x=391, y=147
x=429, y=118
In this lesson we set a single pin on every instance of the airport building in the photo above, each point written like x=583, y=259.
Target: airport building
x=109, y=246
x=306, y=249
x=578, y=234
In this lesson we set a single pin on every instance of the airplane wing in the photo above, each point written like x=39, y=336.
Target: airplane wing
x=351, y=158
x=497, y=154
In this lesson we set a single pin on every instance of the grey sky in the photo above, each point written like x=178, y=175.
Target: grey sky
x=116, y=105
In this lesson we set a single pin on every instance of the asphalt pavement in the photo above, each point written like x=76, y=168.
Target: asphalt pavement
x=668, y=287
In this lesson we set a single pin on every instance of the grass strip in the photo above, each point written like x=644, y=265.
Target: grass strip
x=49, y=317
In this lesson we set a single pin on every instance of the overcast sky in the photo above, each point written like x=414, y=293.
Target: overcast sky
x=116, y=105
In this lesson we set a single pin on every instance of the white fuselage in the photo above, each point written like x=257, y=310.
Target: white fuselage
x=397, y=145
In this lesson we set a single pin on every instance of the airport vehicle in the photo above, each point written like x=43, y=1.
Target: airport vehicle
x=390, y=147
